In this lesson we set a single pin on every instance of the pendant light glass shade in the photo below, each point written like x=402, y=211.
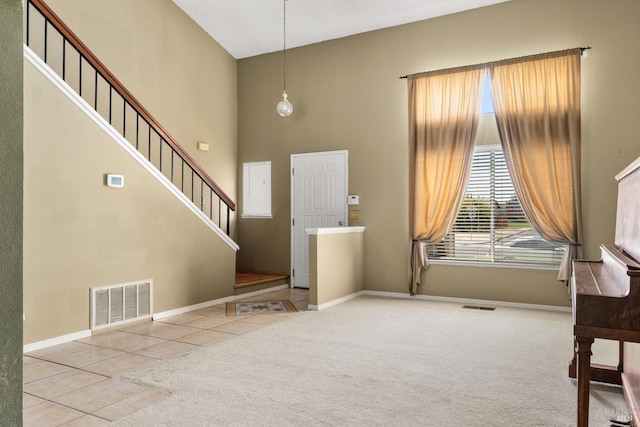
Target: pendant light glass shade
x=284, y=107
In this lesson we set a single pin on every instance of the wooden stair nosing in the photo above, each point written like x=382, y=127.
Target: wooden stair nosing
x=273, y=278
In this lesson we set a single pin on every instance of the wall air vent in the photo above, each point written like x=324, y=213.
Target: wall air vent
x=119, y=304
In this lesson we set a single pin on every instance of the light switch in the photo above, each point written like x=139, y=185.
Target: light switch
x=355, y=214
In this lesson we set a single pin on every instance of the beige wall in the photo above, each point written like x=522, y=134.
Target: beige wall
x=347, y=95
x=336, y=266
x=183, y=77
x=79, y=233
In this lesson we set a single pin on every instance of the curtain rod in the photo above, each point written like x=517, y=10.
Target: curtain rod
x=487, y=64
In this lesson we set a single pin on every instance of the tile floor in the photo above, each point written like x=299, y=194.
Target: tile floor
x=76, y=384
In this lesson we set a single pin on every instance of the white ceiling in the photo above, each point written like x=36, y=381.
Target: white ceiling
x=252, y=27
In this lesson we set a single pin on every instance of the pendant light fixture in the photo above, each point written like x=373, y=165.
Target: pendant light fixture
x=284, y=107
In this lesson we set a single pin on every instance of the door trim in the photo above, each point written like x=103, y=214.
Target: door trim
x=292, y=200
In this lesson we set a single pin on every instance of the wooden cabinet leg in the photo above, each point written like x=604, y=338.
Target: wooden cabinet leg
x=583, y=352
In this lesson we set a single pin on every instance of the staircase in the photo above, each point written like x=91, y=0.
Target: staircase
x=255, y=282
x=61, y=50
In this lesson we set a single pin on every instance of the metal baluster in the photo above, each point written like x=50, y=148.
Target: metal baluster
x=46, y=33
x=137, y=128
x=64, y=58
x=161, y=144
x=95, y=90
x=28, y=20
x=110, y=101
x=80, y=74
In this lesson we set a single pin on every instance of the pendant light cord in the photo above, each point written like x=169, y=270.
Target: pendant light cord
x=284, y=45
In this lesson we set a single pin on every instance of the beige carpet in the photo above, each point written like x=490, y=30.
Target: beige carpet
x=382, y=362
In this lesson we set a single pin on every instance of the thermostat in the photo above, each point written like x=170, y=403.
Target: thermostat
x=114, y=180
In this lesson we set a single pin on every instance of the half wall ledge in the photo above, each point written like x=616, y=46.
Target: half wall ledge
x=336, y=264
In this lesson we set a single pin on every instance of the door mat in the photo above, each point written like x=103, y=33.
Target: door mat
x=262, y=307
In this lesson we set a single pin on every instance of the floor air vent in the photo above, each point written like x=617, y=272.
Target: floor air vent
x=119, y=304
x=478, y=307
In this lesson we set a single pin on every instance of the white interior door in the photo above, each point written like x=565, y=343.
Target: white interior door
x=318, y=199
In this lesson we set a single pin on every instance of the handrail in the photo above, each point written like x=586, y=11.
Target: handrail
x=119, y=87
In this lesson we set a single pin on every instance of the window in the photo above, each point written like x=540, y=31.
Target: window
x=491, y=226
x=487, y=98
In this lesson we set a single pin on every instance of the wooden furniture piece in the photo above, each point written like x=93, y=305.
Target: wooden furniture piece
x=606, y=303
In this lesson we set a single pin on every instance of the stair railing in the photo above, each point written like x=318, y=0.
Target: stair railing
x=63, y=51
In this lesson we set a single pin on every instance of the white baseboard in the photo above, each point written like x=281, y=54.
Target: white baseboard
x=182, y=310
x=470, y=301
x=314, y=307
x=463, y=301
x=187, y=309
x=55, y=341
x=157, y=316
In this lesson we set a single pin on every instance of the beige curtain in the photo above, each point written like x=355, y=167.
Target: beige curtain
x=537, y=106
x=444, y=109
